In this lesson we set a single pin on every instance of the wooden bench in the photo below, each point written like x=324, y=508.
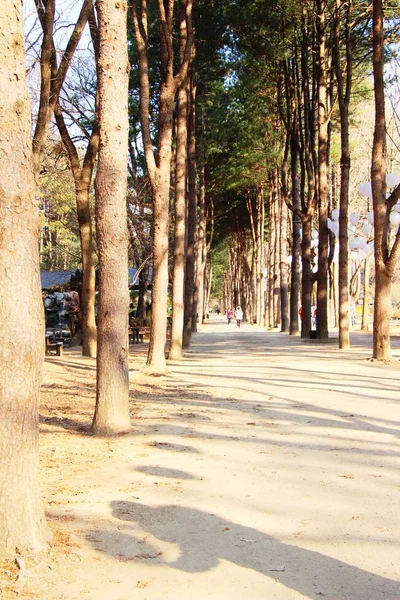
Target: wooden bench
x=136, y=334
x=57, y=347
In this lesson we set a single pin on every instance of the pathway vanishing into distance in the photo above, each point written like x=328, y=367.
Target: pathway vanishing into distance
x=267, y=468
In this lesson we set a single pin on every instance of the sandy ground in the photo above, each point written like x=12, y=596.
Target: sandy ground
x=261, y=468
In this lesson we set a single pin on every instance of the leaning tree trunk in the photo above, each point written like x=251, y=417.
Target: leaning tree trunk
x=22, y=522
x=112, y=394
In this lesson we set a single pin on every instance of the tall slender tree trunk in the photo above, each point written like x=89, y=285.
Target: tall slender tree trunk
x=307, y=280
x=366, y=294
x=284, y=267
x=82, y=177
x=190, y=314
x=22, y=521
x=276, y=275
x=296, y=245
x=344, y=85
x=178, y=287
x=382, y=303
x=323, y=120
x=112, y=392
x=201, y=236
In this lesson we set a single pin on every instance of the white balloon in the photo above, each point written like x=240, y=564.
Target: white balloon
x=314, y=234
x=371, y=247
x=354, y=218
x=351, y=228
x=289, y=260
x=353, y=244
x=335, y=228
x=330, y=223
x=354, y=255
x=396, y=207
x=370, y=217
x=335, y=214
x=394, y=218
x=362, y=244
x=366, y=229
x=365, y=189
x=392, y=180
x=314, y=243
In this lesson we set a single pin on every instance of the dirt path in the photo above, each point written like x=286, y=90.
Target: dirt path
x=261, y=468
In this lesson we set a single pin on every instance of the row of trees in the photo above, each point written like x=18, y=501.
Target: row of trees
x=223, y=118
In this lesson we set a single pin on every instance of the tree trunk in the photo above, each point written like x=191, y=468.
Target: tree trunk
x=190, y=315
x=82, y=178
x=323, y=120
x=88, y=295
x=382, y=302
x=22, y=521
x=201, y=238
x=366, y=295
x=344, y=90
x=284, y=267
x=112, y=394
x=178, y=287
x=296, y=245
x=307, y=281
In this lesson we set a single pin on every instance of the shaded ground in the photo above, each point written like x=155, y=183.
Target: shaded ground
x=262, y=467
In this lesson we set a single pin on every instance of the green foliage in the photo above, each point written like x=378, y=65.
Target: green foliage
x=59, y=236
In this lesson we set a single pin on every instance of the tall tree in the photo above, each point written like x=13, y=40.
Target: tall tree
x=82, y=171
x=51, y=75
x=322, y=181
x=22, y=522
x=159, y=162
x=178, y=285
x=386, y=257
x=112, y=393
x=344, y=84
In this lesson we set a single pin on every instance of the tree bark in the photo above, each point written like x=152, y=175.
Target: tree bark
x=382, y=302
x=22, y=521
x=323, y=120
x=178, y=286
x=296, y=246
x=366, y=295
x=82, y=178
x=201, y=237
x=190, y=314
x=112, y=394
x=344, y=85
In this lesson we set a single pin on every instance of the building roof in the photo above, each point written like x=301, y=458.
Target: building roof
x=59, y=279
x=134, y=278
x=55, y=279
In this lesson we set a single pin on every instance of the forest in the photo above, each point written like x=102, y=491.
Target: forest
x=232, y=153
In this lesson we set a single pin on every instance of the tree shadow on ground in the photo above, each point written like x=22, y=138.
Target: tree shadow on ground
x=204, y=539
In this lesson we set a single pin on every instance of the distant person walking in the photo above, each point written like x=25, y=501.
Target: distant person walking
x=229, y=315
x=238, y=315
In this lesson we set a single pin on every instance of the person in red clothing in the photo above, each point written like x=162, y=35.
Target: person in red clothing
x=229, y=315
